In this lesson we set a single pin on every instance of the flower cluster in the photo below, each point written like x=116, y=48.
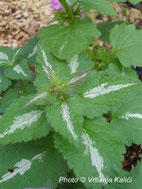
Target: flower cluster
x=55, y=4
x=81, y=16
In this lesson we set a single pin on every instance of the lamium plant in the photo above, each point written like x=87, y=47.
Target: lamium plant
x=69, y=108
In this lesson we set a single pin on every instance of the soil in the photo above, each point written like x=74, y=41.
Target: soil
x=22, y=19
x=132, y=156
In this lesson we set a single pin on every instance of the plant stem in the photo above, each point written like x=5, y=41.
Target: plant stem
x=22, y=84
x=66, y=6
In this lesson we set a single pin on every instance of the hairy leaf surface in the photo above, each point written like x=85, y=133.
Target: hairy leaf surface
x=18, y=71
x=33, y=164
x=127, y=118
x=47, y=62
x=101, y=91
x=68, y=119
x=97, y=157
x=6, y=55
x=4, y=83
x=22, y=124
x=66, y=41
x=101, y=6
x=80, y=62
x=13, y=94
x=127, y=44
x=132, y=1
x=129, y=180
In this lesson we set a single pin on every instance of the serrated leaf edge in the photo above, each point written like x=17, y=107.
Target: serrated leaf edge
x=96, y=158
x=66, y=117
x=74, y=64
x=20, y=122
x=101, y=90
x=19, y=70
x=22, y=166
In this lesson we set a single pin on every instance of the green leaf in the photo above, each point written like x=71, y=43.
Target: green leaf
x=9, y=97
x=97, y=158
x=136, y=175
x=101, y=6
x=127, y=44
x=21, y=123
x=66, y=41
x=117, y=68
x=105, y=28
x=68, y=119
x=18, y=71
x=30, y=48
x=16, y=56
x=135, y=1
x=13, y=94
x=4, y=83
x=132, y=1
x=46, y=62
x=101, y=91
x=80, y=62
x=117, y=0
x=127, y=117
x=129, y=180
x=6, y=55
x=33, y=164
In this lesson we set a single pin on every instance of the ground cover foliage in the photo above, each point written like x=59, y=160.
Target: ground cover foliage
x=68, y=110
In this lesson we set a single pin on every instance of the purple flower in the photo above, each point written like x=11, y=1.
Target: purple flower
x=82, y=14
x=55, y=4
x=77, y=16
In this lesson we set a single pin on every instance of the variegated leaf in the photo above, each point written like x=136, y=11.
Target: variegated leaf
x=22, y=124
x=96, y=159
x=13, y=94
x=74, y=63
x=16, y=55
x=3, y=56
x=127, y=118
x=68, y=119
x=19, y=170
x=4, y=83
x=29, y=50
x=80, y=62
x=36, y=99
x=33, y=52
x=101, y=91
x=46, y=63
x=6, y=55
x=64, y=41
x=47, y=66
x=18, y=71
x=97, y=156
x=80, y=76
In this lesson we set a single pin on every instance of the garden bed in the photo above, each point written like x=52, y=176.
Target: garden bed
x=70, y=94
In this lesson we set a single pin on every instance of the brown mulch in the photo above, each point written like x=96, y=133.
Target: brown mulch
x=22, y=19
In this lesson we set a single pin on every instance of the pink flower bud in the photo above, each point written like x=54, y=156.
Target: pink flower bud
x=51, y=89
x=55, y=4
